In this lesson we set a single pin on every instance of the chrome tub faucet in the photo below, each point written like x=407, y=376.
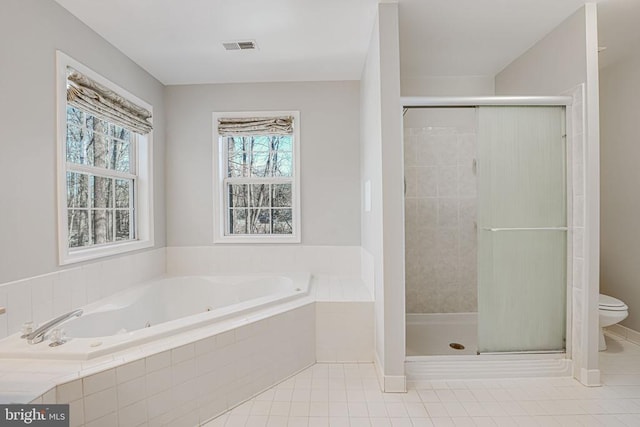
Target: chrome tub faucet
x=38, y=335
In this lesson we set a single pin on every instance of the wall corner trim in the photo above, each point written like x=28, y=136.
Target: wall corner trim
x=389, y=383
x=590, y=377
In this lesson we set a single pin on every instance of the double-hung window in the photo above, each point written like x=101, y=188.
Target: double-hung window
x=104, y=166
x=257, y=177
x=101, y=180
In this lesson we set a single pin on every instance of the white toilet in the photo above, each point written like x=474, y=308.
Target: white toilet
x=610, y=311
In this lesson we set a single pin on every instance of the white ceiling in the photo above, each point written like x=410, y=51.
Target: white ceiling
x=180, y=42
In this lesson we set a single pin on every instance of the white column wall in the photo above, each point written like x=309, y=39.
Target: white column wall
x=382, y=172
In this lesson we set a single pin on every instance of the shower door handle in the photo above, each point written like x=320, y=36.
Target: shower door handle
x=527, y=229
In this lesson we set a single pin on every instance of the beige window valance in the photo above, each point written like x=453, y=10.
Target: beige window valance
x=238, y=126
x=90, y=96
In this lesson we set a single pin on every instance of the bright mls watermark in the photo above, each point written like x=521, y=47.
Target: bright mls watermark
x=34, y=415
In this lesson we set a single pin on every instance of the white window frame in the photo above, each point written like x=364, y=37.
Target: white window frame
x=220, y=208
x=142, y=220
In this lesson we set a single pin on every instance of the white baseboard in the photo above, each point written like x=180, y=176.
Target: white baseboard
x=395, y=384
x=624, y=332
x=389, y=383
x=590, y=377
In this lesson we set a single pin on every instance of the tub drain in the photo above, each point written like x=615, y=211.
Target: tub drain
x=456, y=346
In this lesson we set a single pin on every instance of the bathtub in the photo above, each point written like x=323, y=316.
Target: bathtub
x=159, y=309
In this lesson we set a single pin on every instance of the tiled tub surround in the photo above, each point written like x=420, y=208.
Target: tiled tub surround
x=189, y=384
x=160, y=308
x=440, y=210
x=41, y=298
x=188, y=378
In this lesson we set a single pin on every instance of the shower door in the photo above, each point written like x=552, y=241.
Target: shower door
x=522, y=229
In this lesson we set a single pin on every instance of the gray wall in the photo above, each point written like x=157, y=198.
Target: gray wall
x=30, y=33
x=448, y=86
x=555, y=64
x=620, y=207
x=329, y=150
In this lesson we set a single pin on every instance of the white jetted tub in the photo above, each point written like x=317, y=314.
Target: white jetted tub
x=159, y=309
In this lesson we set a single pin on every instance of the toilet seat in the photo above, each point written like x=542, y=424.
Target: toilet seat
x=607, y=303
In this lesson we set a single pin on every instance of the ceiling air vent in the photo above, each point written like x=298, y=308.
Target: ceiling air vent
x=243, y=45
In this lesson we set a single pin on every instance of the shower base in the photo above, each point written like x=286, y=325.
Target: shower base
x=421, y=370
x=430, y=357
x=442, y=334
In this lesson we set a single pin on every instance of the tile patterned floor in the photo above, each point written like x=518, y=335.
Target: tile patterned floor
x=347, y=395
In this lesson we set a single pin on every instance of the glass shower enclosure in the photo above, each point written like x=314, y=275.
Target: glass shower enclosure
x=522, y=229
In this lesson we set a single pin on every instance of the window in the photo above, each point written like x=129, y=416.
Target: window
x=257, y=177
x=104, y=166
x=101, y=180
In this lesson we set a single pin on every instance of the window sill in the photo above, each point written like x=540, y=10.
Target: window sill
x=87, y=254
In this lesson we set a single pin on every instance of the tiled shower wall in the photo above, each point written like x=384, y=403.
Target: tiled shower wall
x=440, y=210
x=579, y=285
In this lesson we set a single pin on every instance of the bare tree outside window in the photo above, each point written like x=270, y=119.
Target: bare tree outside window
x=100, y=180
x=259, y=184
